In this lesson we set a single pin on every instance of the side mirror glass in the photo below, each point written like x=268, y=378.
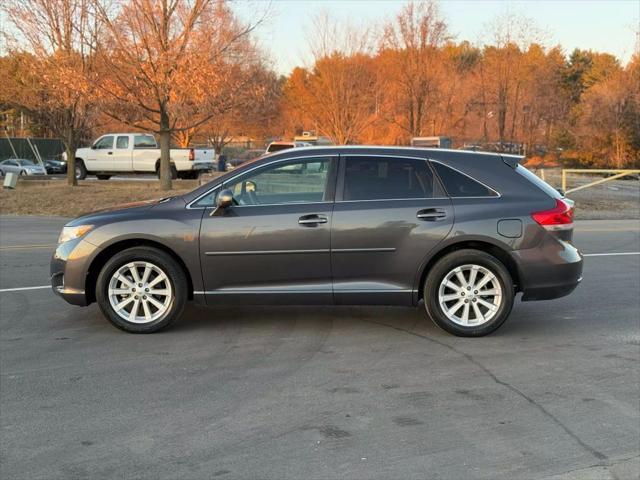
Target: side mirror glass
x=224, y=200
x=93, y=147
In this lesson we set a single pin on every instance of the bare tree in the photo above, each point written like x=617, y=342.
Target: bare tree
x=54, y=67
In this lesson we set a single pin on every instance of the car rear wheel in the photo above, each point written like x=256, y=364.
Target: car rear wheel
x=469, y=293
x=142, y=290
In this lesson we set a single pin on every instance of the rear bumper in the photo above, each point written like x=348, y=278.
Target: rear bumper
x=551, y=270
x=203, y=166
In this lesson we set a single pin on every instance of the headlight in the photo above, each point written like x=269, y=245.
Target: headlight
x=70, y=233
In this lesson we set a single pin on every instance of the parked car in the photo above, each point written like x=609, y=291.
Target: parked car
x=279, y=146
x=243, y=157
x=461, y=232
x=21, y=166
x=54, y=166
x=117, y=153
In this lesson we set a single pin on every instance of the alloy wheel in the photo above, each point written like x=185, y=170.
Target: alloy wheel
x=140, y=292
x=470, y=295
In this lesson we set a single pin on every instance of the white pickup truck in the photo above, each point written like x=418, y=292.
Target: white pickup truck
x=138, y=153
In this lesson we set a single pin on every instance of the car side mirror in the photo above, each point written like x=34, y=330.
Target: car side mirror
x=93, y=147
x=224, y=200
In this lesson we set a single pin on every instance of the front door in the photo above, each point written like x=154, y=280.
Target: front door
x=101, y=155
x=389, y=214
x=273, y=244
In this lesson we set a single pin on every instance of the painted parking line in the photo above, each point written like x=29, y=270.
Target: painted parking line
x=610, y=254
x=19, y=289
x=25, y=247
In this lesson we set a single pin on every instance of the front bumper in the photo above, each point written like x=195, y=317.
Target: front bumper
x=551, y=270
x=69, y=268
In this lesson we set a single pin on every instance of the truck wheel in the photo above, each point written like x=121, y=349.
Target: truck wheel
x=103, y=177
x=174, y=172
x=81, y=170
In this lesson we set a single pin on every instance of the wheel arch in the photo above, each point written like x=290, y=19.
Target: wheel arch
x=101, y=259
x=501, y=253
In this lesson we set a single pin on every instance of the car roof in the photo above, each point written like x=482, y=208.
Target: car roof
x=433, y=153
x=448, y=156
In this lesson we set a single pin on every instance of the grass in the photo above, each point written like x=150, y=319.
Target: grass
x=56, y=198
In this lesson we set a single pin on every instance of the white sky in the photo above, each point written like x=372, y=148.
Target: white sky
x=604, y=25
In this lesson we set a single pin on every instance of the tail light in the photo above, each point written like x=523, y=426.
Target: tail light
x=558, y=218
x=192, y=155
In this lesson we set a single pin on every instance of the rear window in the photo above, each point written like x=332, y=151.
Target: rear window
x=538, y=182
x=144, y=141
x=457, y=184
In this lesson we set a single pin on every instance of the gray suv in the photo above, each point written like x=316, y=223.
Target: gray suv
x=461, y=232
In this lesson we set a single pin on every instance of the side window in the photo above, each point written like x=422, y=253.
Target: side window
x=460, y=185
x=144, y=141
x=297, y=181
x=105, y=143
x=378, y=178
x=122, y=142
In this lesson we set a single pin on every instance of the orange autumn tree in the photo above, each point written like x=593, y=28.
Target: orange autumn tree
x=411, y=49
x=337, y=96
x=52, y=68
x=171, y=65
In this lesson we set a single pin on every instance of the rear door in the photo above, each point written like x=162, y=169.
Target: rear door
x=390, y=212
x=122, y=154
x=273, y=244
x=145, y=153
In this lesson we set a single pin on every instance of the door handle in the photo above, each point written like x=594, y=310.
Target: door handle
x=109, y=153
x=431, y=214
x=311, y=220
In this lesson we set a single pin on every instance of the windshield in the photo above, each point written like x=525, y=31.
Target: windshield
x=26, y=162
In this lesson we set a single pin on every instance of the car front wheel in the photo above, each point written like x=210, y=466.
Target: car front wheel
x=142, y=290
x=469, y=293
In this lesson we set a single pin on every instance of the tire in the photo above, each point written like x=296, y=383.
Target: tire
x=22, y=173
x=173, y=286
x=447, y=305
x=81, y=170
x=1, y=173
x=103, y=177
x=174, y=172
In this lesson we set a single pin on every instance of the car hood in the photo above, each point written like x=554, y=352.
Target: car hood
x=117, y=212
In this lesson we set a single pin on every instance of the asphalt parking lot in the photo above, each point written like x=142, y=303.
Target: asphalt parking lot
x=316, y=393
